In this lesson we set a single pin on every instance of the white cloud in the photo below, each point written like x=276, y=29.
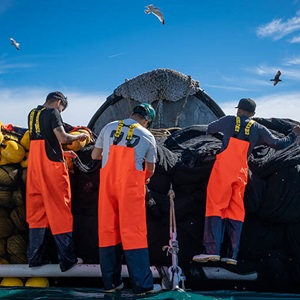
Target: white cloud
x=292, y=61
x=290, y=73
x=7, y=67
x=16, y=104
x=278, y=28
x=271, y=106
x=115, y=55
x=295, y=39
x=227, y=87
x=264, y=70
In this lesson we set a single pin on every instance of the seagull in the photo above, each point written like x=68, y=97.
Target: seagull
x=13, y=42
x=155, y=10
x=276, y=78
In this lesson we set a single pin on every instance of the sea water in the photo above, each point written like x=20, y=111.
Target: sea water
x=92, y=293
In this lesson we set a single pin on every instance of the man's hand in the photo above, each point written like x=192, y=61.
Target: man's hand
x=296, y=130
x=82, y=136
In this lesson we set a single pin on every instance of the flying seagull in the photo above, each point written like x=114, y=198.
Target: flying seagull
x=276, y=78
x=155, y=10
x=13, y=42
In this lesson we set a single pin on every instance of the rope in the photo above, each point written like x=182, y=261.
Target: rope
x=171, y=195
x=185, y=100
x=127, y=94
x=163, y=132
x=175, y=271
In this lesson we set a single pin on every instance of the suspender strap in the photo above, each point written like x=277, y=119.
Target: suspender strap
x=119, y=129
x=118, y=134
x=34, y=122
x=247, y=129
x=238, y=127
x=130, y=131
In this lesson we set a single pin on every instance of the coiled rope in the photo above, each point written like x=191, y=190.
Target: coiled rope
x=163, y=132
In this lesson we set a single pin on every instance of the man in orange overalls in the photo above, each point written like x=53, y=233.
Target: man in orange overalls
x=128, y=152
x=225, y=211
x=48, y=195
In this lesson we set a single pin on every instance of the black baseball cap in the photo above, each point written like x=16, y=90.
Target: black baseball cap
x=247, y=104
x=58, y=96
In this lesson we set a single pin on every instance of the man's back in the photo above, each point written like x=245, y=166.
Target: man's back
x=259, y=134
x=143, y=142
x=41, y=122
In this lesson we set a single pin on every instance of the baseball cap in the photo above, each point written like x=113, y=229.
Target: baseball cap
x=247, y=104
x=58, y=96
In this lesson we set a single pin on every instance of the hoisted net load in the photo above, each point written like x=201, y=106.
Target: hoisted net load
x=167, y=91
x=160, y=84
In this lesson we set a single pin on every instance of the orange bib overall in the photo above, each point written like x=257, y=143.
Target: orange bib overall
x=47, y=207
x=122, y=206
x=225, y=197
x=122, y=221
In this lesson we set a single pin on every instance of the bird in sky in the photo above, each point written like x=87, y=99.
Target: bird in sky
x=276, y=78
x=155, y=10
x=13, y=42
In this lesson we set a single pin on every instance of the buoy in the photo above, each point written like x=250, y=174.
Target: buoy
x=11, y=281
x=37, y=282
x=88, y=134
x=25, y=140
x=4, y=161
x=76, y=145
x=12, y=151
x=24, y=162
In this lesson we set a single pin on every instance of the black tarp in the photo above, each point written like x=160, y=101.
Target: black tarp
x=270, y=242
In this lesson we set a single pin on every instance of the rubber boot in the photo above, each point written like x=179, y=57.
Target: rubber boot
x=66, y=251
x=111, y=266
x=233, y=230
x=140, y=274
x=37, y=247
x=213, y=235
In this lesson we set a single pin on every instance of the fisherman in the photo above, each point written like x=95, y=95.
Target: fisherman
x=225, y=191
x=128, y=153
x=48, y=193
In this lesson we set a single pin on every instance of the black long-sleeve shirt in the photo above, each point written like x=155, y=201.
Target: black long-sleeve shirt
x=259, y=134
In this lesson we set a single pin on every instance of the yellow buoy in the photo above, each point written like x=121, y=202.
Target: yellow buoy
x=4, y=161
x=88, y=134
x=11, y=281
x=12, y=151
x=37, y=282
x=76, y=145
x=24, y=162
x=25, y=140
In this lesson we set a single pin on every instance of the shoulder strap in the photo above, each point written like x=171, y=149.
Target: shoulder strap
x=34, y=122
x=238, y=127
x=247, y=129
x=119, y=134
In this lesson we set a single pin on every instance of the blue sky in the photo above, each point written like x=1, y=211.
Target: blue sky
x=87, y=48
